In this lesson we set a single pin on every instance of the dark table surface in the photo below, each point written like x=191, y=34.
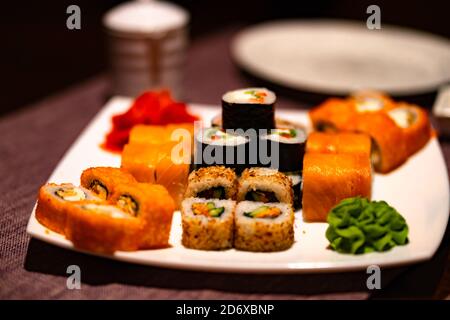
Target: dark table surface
x=34, y=139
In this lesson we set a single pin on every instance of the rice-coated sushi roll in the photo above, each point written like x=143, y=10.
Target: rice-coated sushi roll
x=103, y=180
x=287, y=146
x=153, y=205
x=207, y=223
x=265, y=185
x=214, y=146
x=414, y=123
x=330, y=178
x=54, y=201
x=333, y=115
x=296, y=179
x=321, y=142
x=249, y=108
x=388, y=143
x=215, y=182
x=263, y=226
x=102, y=228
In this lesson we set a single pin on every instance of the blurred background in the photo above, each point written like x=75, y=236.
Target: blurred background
x=40, y=56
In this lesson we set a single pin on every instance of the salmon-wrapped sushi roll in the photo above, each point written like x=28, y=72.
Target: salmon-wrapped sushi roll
x=330, y=178
x=265, y=185
x=103, y=180
x=103, y=228
x=153, y=205
x=215, y=182
x=333, y=115
x=54, y=201
x=414, y=123
x=388, y=143
x=320, y=142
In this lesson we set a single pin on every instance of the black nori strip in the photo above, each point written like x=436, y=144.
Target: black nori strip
x=248, y=116
x=290, y=154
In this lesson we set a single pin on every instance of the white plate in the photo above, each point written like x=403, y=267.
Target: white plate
x=338, y=57
x=419, y=190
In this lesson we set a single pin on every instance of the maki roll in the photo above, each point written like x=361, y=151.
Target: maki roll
x=215, y=182
x=370, y=101
x=207, y=223
x=388, y=143
x=296, y=179
x=214, y=146
x=153, y=163
x=102, y=228
x=150, y=203
x=249, y=108
x=263, y=227
x=103, y=180
x=330, y=178
x=287, y=146
x=414, y=123
x=333, y=115
x=265, y=185
x=320, y=142
x=54, y=201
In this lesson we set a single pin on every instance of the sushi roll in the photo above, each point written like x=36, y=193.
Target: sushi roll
x=103, y=180
x=286, y=148
x=207, y=223
x=102, y=228
x=370, y=101
x=280, y=123
x=320, y=142
x=150, y=203
x=263, y=227
x=388, y=143
x=54, y=201
x=215, y=182
x=265, y=185
x=214, y=146
x=153, y=163
x=249, y=108
x=414, y=123
x=333, y=115
x=296, y=179
x=330, y=178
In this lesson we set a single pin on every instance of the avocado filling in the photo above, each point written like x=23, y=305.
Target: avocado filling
x=261, y=196
x=264, y=212
x=213, y=193
x=99, y=188
x=287, y=133
x=70, y=194
x=128, y=204
x=207, y=209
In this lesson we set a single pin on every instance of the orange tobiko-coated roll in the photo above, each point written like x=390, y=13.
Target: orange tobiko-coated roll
x=54, y=201
x=153, y=205
x=103, y=228
x=330, y=178
x=388, y=143
x=414, y=123
x=103, y=180
x=321, y=142
x=333, y=115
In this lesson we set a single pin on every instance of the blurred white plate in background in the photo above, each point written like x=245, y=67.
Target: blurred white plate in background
x=337, y=57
